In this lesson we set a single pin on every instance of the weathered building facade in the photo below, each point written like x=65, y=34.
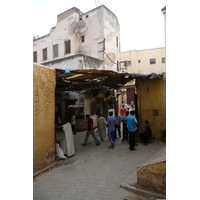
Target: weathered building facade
x=95, y=34
x=80, y=40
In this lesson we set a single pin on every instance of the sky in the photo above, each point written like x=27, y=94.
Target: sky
x=141, y=22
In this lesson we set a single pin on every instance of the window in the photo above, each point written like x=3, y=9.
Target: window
x=116, y=41
x=55, y=50
x=45, y=54
x=152, y=61
x=139, y=61
x=155, y=112
x=86, y=16
x=82, y=38
x=35, y=56
x=163, y=60
x=67, y=47
x=127, y=63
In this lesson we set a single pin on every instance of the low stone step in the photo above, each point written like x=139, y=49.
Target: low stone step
x=152, y=174
x=150, y=177
x=130, y=184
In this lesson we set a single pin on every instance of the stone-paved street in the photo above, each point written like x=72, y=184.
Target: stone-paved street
x=94, y=172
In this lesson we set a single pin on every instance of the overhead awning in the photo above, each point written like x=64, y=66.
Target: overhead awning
x=93, y=79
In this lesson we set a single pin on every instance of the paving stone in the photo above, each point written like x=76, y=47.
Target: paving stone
x=96, y=172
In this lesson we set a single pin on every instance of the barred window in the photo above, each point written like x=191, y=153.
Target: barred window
x=127, y=63
x=35, y=56
x=44, y=54
x=67, y=47
x=152, y=61
x=163, y=60
x=55, y=50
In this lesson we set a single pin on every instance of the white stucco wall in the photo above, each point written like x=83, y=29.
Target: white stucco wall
x=111, y=31
x=63, y=30
x=93, y=32
x=94, y=25
x=78, y=61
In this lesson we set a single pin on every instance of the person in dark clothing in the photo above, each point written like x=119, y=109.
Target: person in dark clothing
x=90, y=131
x=146, y=134
x=125, y=129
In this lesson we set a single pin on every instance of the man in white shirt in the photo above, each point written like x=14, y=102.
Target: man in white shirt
x=68, y=139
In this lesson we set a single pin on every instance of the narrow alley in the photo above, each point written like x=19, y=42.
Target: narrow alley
x=94, y=172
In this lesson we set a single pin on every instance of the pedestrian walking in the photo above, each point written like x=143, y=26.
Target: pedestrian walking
x=117, y=125
x=132, y=124
x=101, y=127
x=90, y=130
x=123, y=110
x=125, y=129
x=111, y=129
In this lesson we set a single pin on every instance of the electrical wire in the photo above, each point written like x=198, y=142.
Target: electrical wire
x=110, y=58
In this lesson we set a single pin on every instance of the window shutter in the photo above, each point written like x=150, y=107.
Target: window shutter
x=45, y=54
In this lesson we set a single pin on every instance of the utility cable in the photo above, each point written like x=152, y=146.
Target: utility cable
x=110, y=58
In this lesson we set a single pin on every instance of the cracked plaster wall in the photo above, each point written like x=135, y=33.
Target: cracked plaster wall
x=111, y=31
x=78, y=61
x=94, y=25
x=44, y=80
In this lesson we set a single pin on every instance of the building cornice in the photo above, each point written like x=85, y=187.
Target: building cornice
x=69, y=58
